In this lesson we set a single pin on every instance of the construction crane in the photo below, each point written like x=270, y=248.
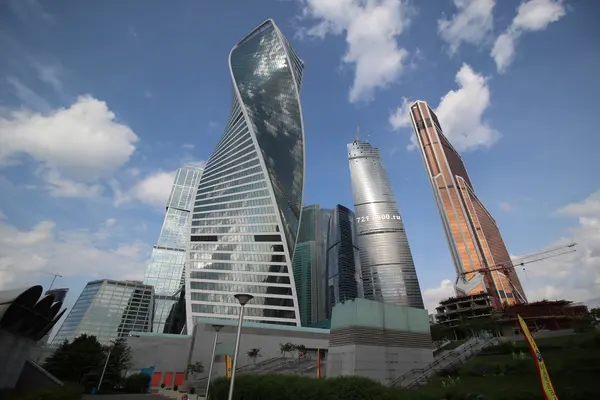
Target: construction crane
x=508, y=267
x=54, y=276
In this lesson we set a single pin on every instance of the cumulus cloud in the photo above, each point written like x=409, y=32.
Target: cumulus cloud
x=153, y=190
x=26, y=254
x=73, y=146
x=433, y=296
x=371, y=29
x=460, y=111
x=532, y=15
x=472, y=23
x=574, y=276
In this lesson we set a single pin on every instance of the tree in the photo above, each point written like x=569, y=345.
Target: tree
x=72, y=361
x=286, y=348
x=301, y=349
x=196, y=368
x=119, y=361
x=254, y=354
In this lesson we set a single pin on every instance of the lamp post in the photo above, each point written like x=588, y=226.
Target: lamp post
x=110, y=349
x=243, y=299
x=217, y=328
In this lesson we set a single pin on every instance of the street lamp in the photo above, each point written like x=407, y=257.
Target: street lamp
x=110, y=349
x=243, y=299
x=217, y=328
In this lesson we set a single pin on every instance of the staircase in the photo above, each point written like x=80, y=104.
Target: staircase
x=446, y=360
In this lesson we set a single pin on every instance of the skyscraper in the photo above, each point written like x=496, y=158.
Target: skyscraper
x=109, y=310
x=344, y=275
x=473, y=236
x=247, y=210
x=165, y=271
x=309, y=264
x=387, y=265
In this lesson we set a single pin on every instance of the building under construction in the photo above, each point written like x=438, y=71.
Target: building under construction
x=476, y=311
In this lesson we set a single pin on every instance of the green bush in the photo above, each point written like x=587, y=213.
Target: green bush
x=137, y=383
x=291, y=387
x=70, y=391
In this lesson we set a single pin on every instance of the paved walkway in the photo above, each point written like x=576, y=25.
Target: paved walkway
x=124, y=397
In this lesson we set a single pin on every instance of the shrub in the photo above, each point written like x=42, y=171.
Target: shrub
x=175, y=387
x=518, y=367
x=137, y=383
x=70, y=391
x=482, y=370
x=292, y=387
x=162, y=385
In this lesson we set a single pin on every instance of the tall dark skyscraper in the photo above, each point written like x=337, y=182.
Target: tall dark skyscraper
x=165, y=271
x=309, y=264
x=249, y=200
x=473, y=236
x=387, y=265
x=344, y=275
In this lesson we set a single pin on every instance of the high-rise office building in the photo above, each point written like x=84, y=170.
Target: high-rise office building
x=473, y=236
x=165, y=271
x=387, y=265
x=60, y=294
x=247, y=209
x=309, y=264
x=344, y=275
x=109, y=310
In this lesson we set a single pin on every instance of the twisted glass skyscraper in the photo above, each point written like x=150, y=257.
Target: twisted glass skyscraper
x=249, y=200
x=165, y=271
x=387, y=265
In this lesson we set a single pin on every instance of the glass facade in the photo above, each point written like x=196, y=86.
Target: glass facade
x=165, y=271
x=387, y=265
x=308, y=264
x=344, y=274
x=473, y=236
x=108, y=310
x=248, y=204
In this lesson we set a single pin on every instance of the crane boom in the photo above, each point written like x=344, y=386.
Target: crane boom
x=509, y=266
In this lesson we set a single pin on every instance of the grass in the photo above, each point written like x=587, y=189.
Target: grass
x=573, y=363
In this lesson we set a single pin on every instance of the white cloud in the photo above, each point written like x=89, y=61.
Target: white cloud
x=188, y=146
x=371, y=29
x=506, y=206
x=460, y=113
x=433, y=296
x=472, y=24
x=573, y=276
x=110, y=222
x=590, y=207
x=25, y=254
x=153, y=190
x=73, y=145
x=532, y=15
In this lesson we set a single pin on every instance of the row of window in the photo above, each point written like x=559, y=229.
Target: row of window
x=257, y=176
x=230, y=169
x=234, y=176
x=233, y=197
x=241, y=288
x=236, y=238
x=239, y=157
x=235, y=229
x=238, y=189
x=242, y=247
x=261, y=219
x=237, y=257
x=234, y=213
x=235, y=205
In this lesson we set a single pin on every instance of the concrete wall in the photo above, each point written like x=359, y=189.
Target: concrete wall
x=170, y=352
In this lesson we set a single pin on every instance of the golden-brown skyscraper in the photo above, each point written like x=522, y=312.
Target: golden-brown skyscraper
x=475, y=241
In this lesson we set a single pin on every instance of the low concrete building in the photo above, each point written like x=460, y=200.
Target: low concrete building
x=367, y=338
x=376, y=340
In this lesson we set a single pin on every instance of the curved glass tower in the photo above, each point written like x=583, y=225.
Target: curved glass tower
x=249, y=200
x=344, y=275
x=387, y=265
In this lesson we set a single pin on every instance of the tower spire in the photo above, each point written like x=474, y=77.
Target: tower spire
x=357, y=132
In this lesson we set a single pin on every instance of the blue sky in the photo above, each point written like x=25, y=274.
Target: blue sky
x=101, y=102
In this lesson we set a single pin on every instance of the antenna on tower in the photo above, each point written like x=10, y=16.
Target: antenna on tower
x=357, y=132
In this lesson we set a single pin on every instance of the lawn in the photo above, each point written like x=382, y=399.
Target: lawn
x=500, y=373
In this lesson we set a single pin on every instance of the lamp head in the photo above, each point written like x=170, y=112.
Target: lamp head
x=217, y=328
x=243, y=298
